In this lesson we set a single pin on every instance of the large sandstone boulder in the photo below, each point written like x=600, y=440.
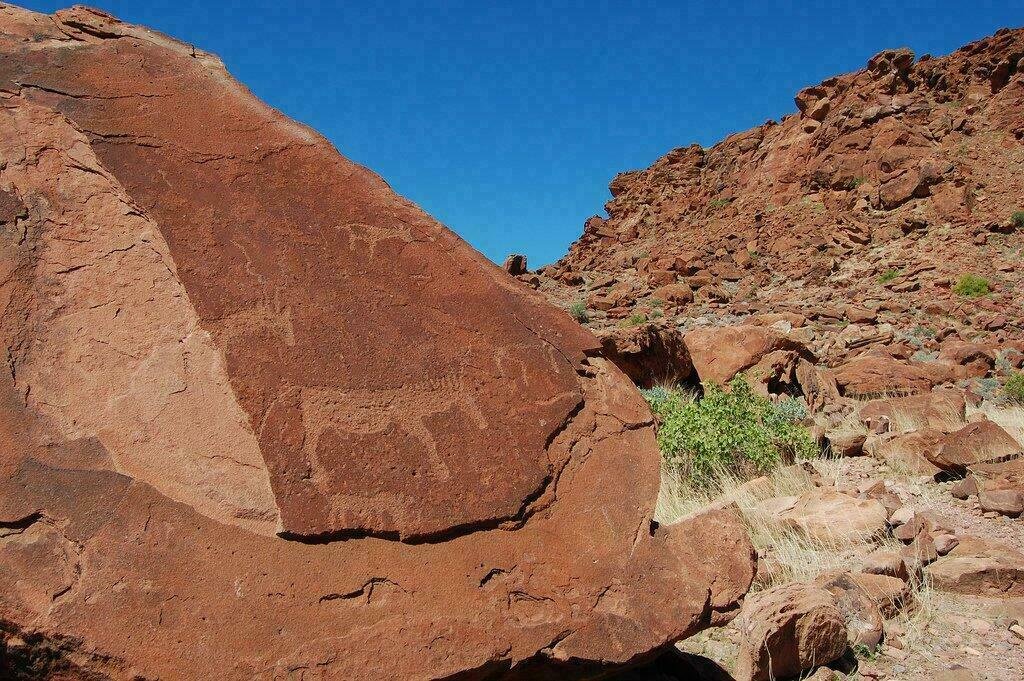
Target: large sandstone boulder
x=975, y=443
x=650, y=354
x=979, y=567
x=719, y=353
x=261, y=415
x=835, y=518
x=787, y=630
x=872, y=375
x=942, y=410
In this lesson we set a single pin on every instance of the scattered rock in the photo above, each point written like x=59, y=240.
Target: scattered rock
x=834, y=517
x=940, y=410
x=864, y=624
x=675, y=293
x=907, y=452
x=944, y=543
x=979, y=567
x=787, y=630
x=885, y=562
x=973, y=444
x=879, y=375
x=891, y=594
x=515, y=265
x=719, y=353
x=650, y=354
x=846, y=444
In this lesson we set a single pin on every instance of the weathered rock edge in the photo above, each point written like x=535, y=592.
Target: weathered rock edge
x=222, y=335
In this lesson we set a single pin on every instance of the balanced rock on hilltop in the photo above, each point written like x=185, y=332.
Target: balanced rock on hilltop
x=262, y=415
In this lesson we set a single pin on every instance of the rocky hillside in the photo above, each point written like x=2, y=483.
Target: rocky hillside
x=861, y=263
x=865, y=208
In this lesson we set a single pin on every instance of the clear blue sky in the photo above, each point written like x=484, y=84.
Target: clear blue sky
x=506, y=120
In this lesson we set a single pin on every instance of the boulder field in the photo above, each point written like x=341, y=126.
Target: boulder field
x=263, y=418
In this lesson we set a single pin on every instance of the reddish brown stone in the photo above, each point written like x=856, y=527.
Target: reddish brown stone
x=719, y=353
x=942, y=410
x=515, y=265
x=980, y=567
x=262, y=414
x=10, y=208
x=973, y=444
x=649, y=354
x=880, y=375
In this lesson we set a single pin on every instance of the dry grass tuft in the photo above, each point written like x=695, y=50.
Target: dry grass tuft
x=1009, y=418
x=790, y=554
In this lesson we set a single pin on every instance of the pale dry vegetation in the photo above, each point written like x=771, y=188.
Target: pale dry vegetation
x=792, y=554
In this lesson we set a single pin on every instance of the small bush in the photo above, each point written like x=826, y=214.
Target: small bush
x=888, y=276
x=632, y=320
x=858, y=181
x=924, y=356
x=790, y=410
x=719, y=203
x=972, y=286
x=988, y=388
x=662, y=400
x=1018, y=219
x=1013, y=389
x=735, y=431
x=579, y=312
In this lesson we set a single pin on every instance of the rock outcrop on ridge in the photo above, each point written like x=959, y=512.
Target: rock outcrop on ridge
x=261, y=417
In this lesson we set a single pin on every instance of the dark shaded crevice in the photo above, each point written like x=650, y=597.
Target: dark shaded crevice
x=71, y=95
x=21, y=524
x=364, y=593
x=491, y=574
x=29, y=656
x=447, y=534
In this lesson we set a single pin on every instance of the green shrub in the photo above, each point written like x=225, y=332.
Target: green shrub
x=579, y=312
x=972, y=286
x=858, y=181
x=662, y=400
x=1018, y=219
x=732, y=430
x=632, y=320
x=924, y=356
x=719, y=203
x=790, y=410
x=888, y=276
x=1013, y=389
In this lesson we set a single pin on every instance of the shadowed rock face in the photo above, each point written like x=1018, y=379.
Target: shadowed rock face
x=264, y=417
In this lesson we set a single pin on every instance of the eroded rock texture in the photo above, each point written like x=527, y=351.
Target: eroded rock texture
x=263, y=418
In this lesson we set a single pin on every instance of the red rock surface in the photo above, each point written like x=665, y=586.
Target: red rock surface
x=263, y=416
x=719, y=353
x=649, y=354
